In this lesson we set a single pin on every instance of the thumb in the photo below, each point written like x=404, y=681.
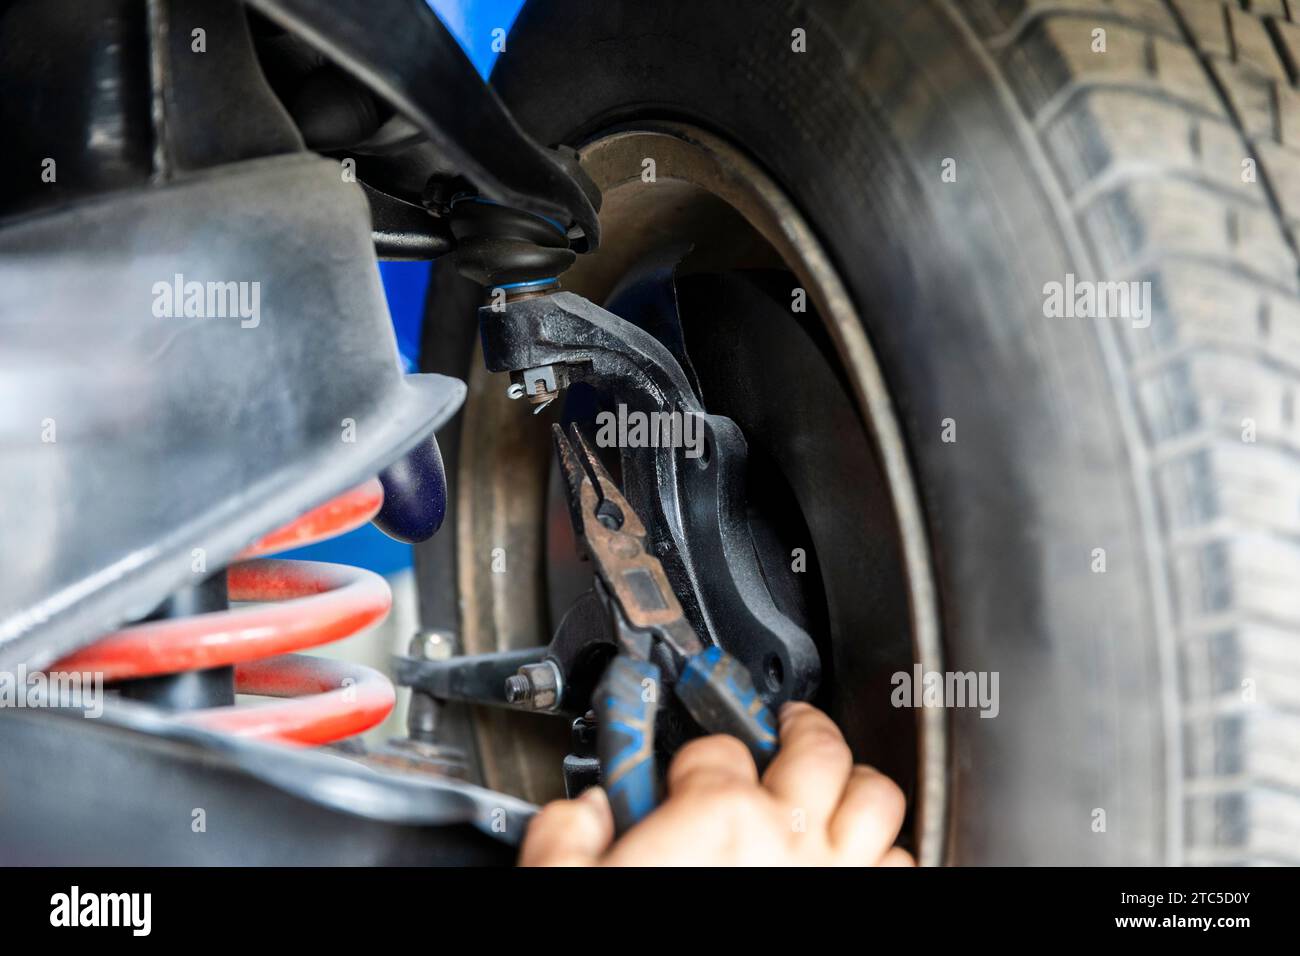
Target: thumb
x=570, y=832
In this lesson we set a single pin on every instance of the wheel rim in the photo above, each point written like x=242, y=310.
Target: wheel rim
x=704, y=187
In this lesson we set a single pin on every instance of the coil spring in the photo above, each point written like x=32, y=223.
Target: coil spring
x=310, y=603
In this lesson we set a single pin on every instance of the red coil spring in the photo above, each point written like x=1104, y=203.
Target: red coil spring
x=312, y=603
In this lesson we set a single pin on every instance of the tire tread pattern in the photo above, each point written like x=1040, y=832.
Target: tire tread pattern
x=1151, y=140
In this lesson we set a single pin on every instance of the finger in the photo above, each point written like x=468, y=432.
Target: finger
x=812, y=766
x=868, y=818
x=711, y=762
x=897, y=857
x=569, y=832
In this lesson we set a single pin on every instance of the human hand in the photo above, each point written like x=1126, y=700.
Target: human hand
x=812, y=807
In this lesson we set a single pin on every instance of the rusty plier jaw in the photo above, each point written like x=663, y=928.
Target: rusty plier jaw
x=614, y=538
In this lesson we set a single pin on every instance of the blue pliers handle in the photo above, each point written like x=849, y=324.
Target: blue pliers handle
x=625, y=705
x=714, y=687
x=717, y=690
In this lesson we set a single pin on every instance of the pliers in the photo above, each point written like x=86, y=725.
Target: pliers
x=715, y=688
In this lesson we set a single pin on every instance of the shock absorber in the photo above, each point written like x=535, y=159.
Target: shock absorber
x=306, y=604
